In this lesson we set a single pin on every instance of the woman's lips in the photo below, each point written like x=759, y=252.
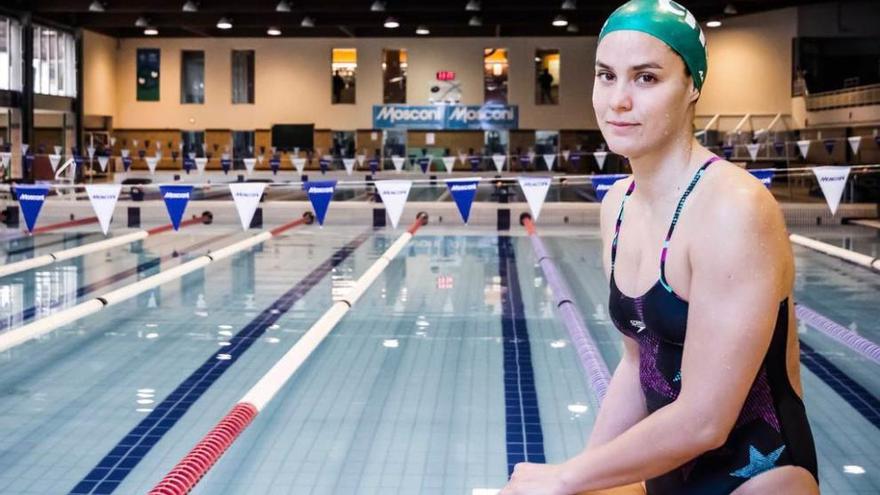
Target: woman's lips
x=622, y=124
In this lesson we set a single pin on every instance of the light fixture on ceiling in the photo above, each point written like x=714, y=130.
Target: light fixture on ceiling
x=730, y=9
x=572, y=28
x=96, y=6
x=713, y=23
x=283, y=6
x=569, y=5
x=190, y=6
x=423, y=31
x=151, y=31
x=307, y=22
x=560, y=21
x=224, y=23
x=273, y=31
x=377, y=6
x=472, y=6
x=475, y=21
x=141, y=22
x=391, y=23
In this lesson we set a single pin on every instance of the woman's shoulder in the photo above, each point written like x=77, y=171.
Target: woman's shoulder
x=732, y=190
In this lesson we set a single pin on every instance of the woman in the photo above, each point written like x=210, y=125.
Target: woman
x=715, y=409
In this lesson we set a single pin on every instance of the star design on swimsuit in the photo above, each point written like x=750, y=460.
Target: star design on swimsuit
x=758, y=462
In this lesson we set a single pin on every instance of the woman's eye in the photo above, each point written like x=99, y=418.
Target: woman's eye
x=646, y=78
x=605, y=76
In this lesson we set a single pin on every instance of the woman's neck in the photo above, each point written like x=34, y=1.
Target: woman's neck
x=665, y=172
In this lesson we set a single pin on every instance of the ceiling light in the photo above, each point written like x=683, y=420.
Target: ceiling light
x=391, y=23
x=572, y=28
x=560, y=21
x=472, y=6
x=141, y=22
x=283, y=6
x=273, y=31
x=190, y=6
x=730, y=9
x=475, y=21
x=307, y=22
x=378, y=6
x=713, y=24
x=569, y=5
x=151, y=31
x=96, y=6
x=224, y=23
x=423, y=31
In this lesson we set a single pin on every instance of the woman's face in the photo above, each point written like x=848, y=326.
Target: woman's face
x=641, y=93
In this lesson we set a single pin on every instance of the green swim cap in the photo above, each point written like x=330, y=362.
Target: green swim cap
x=669, y=22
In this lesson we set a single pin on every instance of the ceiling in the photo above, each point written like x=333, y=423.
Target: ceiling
x=352, y=18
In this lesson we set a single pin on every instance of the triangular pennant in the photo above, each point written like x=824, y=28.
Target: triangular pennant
x=424, y=163
x=727, y=151
x=600, y=158
x=103, y=198
x=54, y=160
x=5, y=156
x=449, y=163
x=102, y=162
x=31, y=199
x=125, y=152
x=57, y=149
x=260, y=159
x=549, y=160
x=854, y=142
x=246, y=196
x=374, y=165
x=188, y=164
x=91, y=151
x=158, y=145
x=349, y=165
x=134, y=142
x=566, y=154
x=462, y=157
x=360, y=160
x=531, y=154
x=249, y=164
x=176, y=198
x=779, y=146
x=394, y=194
x=765, y=176
x=398, y=162
x=320, y=193
x=575, y=158
x=753, y=150
x=225, y=164
x=475, y=162
x=463, y=192
x=151, y=163
x=201, y=164
x=602, y=183
x=126, y=164
x=499, y=162
x=112, y=141
x=324, y=164
x=299, y=164
x=274, y=164
x=535, y=190
x=832, y=181
x=829, y=145
x=804, y=146
x=24, y=148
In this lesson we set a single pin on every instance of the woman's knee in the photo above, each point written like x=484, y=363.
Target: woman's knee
x=786, y=480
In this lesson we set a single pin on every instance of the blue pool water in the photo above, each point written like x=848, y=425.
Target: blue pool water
x=451, y=367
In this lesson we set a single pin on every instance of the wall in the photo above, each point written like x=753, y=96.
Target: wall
x=99, y=74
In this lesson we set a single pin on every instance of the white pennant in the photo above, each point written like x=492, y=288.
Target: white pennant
x=102, y=162
x=112, y=141
x=360, y=160
x=449, y=163
x=103, y=198
x=854, y=142
x=259, y=159
x=57, y=150
x=5, y=156
x=499, y=161
x=832, y=181
x=134, y=142
x=201, y=163
x=151, y=163
x=394, y=194
x=398, y=162
x=249, y=164
x=753, y=150
x=24, y=148
x=535, y=190
x=247, y=197
x=349, y=164
x=299, y=164
x=531, y=155
x=124, y=152
x=600, y=158
x=91, y=151
x=158, y=144
x=804, y=146
x=549, y=159
x=54, y=160
x=566, y=154
x=462, y=157
x=158, y=155
x=191, y=155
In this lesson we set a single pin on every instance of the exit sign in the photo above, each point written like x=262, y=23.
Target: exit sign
x=445, y=75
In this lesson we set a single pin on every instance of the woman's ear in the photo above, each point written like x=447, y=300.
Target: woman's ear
x=695, y=94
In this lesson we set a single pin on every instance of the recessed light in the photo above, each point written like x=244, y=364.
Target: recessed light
x=283, y=6
x=713, y=24
x=391, y=23
x=307, y=22
x=560, y=21
x=472, y=6
x=190, y=6
x=475, y=22
x=423, y=31
x=569, y=5
x=96, y=6
x=224, y=23
x=273, y=31
x=378, y=6
x=142, y=22
x=151, y=31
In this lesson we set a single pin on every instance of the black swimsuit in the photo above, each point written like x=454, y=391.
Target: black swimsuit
x=772, y=428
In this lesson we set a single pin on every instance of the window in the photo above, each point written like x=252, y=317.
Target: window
x=343, y=144
x=193, y=142
x=394, y=76
x=546, y=77
x=495, y=75
x=10, y=54
x=54, y=62
x=192, y=76
x=148, y=74
x=242, y=76
x=343, y=66
x=243, y=144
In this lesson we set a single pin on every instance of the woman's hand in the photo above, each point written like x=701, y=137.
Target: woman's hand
x=535, y=479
